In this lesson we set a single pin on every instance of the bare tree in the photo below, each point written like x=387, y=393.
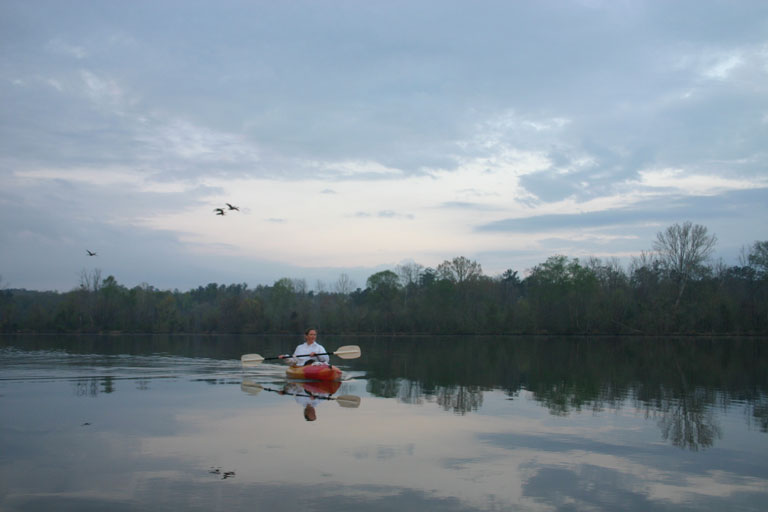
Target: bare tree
x=92, y=281
x=682, y=250
x=459, y=269
x=644, y=259
x=299, y=285
x=610, y=273
x=409, y=273
x=758, y=257
x=344, y=285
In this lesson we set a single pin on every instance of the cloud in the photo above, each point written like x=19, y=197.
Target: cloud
x=564, y=222
x=61, y=47
x=186, y=141
x=697, y=184
x=478, y=126
x=351, y=168
x=123, y=177
x=466, y=205
x=623, y=232
x=105, y=91
x=384, y=214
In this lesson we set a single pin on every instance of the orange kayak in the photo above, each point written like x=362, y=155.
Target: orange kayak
x=314, y=372
x=321, y=387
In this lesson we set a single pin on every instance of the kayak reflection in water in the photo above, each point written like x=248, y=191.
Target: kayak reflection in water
x=308, y=352
x=309, y=394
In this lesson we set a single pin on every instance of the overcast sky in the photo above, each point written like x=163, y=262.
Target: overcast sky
x=358, y=135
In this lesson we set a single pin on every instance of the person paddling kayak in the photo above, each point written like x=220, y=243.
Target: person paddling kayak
x=307, y=352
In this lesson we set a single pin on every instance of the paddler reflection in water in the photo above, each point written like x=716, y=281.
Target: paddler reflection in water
x=307, y=352
x=308, y=402
x=309, y=395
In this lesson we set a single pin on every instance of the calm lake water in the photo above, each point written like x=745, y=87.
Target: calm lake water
x=419, y=423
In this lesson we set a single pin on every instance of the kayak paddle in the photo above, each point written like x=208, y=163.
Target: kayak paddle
x=345, y=352
x=349, y=401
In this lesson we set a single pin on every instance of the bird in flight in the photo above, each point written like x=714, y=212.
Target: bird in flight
x=90, y=253
x=219, y=211
x=233, y=207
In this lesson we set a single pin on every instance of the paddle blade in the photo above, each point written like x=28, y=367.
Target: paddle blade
x=251, y=359
x=348, y=352
x=350, y=401
x=251, y=387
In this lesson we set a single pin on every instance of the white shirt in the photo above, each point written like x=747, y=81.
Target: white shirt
x=302, y=396
x=304, y=350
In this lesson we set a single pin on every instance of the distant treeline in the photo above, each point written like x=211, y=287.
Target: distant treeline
x=670, y=290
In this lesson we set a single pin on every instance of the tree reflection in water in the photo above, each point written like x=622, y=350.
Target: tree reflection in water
x=677, y=382
x=459, y=399
x=688, y=421
x=687, y=418
x=92, y=386
x=760, y=414
x=86, y=387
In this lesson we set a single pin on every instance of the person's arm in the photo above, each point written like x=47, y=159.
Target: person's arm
x=292, y=359
x=324, y=358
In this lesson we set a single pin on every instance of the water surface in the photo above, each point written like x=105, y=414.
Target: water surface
x=424, y=423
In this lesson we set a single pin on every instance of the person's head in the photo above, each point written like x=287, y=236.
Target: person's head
x=309, y=413
x=310, y=335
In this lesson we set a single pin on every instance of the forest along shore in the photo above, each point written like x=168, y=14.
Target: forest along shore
x=671, y=290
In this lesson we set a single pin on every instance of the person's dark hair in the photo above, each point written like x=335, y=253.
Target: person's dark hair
x=306, y=331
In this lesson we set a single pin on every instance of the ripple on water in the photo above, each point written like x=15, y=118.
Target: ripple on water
x=59, y=364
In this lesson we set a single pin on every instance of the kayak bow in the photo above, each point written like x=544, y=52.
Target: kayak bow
x=314, y=372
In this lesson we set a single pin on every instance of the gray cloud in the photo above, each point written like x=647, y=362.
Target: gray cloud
x=384, y=214
x=603, y=90
x=742, y=204
x=405, y=104
x=465, y=205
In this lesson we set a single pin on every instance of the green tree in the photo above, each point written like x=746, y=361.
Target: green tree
x=382, y=292
x=385, y=281
x=283, y=311
x=560, y=291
